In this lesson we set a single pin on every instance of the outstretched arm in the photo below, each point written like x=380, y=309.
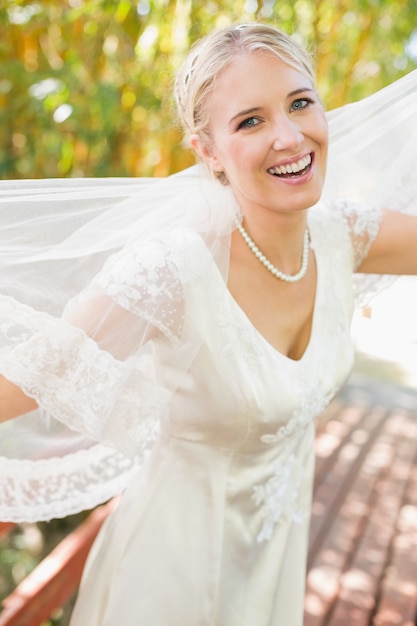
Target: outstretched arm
x=13, y=402
x=99, y=368
x=394, y=250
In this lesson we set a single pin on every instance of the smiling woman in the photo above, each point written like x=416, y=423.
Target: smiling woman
x=186, y=332
x=265, y=118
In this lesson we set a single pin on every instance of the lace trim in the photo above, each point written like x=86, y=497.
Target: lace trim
x=116, y=403
x=52, y=488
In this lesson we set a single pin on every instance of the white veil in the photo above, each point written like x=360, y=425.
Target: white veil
x=83, y=337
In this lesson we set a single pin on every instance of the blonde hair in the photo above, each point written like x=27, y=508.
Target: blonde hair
x=212, y=54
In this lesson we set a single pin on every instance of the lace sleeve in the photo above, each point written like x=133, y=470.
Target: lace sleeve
x=144, y=281
x=99, y=369
x=102, y=345
x=363, y=225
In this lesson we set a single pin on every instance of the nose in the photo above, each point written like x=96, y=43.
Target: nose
x=286, y=134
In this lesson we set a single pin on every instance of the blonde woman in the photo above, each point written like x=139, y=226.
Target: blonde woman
x=195, y=328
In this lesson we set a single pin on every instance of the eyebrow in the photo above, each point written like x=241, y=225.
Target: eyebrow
x=255, y=109
x=300, y=90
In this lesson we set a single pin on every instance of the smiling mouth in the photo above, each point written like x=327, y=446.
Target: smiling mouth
x=292, y=170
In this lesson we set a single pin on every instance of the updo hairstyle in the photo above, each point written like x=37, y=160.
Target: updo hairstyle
x=211, y=55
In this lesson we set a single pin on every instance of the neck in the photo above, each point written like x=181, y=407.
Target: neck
x=275, y=271
x=280, y=238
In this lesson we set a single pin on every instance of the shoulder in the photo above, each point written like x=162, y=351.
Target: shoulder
x=155, y=269
x=152, y=253
x=349, y=224
x=328, y=222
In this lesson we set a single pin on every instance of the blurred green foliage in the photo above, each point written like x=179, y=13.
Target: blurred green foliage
x=85, y=85
x=25, y=546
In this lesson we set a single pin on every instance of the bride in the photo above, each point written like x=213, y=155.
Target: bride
x=175, y=339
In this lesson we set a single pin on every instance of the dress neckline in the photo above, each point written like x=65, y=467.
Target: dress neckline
x=317, y=296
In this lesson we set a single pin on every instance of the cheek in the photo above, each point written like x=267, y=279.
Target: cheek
x=228, y=153
x=209, y=153
x=323, y=130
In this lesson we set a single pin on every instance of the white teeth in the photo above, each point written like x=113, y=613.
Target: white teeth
x=292, y=168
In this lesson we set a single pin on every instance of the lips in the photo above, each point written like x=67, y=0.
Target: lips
x=293, y=169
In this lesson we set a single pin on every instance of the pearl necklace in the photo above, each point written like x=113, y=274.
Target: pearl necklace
x=288, y=278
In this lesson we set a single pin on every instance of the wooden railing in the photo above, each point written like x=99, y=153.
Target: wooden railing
x=56, y=578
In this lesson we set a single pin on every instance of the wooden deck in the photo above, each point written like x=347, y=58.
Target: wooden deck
x=362, y=567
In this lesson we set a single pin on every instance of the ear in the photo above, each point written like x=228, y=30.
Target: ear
x=205, y=152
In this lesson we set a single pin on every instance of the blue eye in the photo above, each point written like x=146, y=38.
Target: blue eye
x=250, y=122
x=300, y=104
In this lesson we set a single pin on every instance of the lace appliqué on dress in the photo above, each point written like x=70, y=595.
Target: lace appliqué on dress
x=279, y=497
x=310, y=405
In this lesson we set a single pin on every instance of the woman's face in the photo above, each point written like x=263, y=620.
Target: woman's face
x=267, y=133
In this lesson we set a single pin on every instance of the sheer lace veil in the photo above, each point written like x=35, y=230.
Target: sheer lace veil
x=372, y=159
x=92, y=282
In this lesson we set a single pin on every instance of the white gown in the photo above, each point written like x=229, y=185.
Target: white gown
x=212, y=531
x=163, y=383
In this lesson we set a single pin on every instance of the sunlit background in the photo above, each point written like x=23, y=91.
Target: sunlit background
x=85, y=86
x=385, y=335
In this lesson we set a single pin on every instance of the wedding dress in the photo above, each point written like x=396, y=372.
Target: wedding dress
x=115, y=315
